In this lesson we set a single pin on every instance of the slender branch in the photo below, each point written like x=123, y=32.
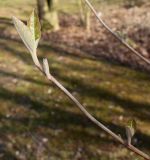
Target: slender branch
x=115, y=35
x=45, y=70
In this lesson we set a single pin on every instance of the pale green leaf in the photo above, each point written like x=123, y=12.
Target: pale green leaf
x=25, y=34
x=34, y=25
x=130, y=130
x=132, y=126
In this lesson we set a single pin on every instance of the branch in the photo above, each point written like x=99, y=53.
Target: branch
x=45, y=70
x=115, y=35
x=30, y=40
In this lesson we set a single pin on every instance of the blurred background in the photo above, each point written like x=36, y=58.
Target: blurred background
x=37, y=121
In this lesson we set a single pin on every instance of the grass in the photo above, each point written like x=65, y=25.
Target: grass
x=36, y=119
x=112, y=93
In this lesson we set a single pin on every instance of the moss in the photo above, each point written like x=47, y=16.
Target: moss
x=109, y=91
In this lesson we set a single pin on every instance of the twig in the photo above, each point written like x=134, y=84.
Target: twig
x=45, y=70
x=115, y=35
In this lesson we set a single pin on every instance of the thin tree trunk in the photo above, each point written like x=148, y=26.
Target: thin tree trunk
x=48, y=11
x=84, y=15
x=40, y=6
x=51, y=15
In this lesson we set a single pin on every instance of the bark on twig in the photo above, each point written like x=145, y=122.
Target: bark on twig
x=122, y=41
x=44, y=68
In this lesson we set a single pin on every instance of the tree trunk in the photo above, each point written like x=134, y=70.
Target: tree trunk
x=51, y=15
x=40, y=6
x=48, y=11
x=85, y=15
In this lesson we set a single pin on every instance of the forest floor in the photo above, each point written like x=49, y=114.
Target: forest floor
x=100, y=43
x=37, y=121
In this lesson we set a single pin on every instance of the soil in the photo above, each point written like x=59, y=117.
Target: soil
x=131, y=23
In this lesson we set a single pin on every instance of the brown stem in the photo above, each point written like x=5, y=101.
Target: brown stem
x=95, y=121
x=115, y=35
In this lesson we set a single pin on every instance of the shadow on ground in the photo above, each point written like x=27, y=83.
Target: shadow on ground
x=75, y=125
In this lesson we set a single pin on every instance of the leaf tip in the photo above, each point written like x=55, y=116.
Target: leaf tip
x=130, y=130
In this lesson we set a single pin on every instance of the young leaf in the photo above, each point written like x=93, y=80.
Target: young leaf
x=25, y=34
x=34, y=25
x=130, y=130
x=46, y=67
x=31, y=33
x=121, y=35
